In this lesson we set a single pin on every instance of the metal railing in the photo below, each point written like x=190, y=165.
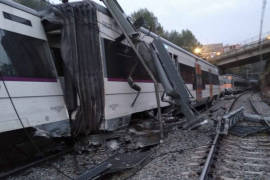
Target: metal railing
x=250, y=43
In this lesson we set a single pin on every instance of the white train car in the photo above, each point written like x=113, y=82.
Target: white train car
x=30, y=84
x=234, y=84
x=30, y=93
x=200, y=76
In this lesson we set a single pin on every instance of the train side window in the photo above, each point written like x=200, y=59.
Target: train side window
x=187, y=73
x=175, y=59
x=171, y=55
x=205, y=79
x=120, y=59
x=17, y=19
x=24, y=56
x=215, y=80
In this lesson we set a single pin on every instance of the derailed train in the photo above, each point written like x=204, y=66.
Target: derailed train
x=34, y=71
x=232, y=84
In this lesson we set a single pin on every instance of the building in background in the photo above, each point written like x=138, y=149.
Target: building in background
x=229, y=48
x=211, y=50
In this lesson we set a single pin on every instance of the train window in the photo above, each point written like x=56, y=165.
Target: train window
x=24, y=56
x=171, y=55
x=120, y=59
x=17, y=19
x=215, y=80
x=187, y=73
x=205, y=78
x=175, y=59
x=240, y=84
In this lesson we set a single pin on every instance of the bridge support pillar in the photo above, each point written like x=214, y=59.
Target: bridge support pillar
x=265, y=81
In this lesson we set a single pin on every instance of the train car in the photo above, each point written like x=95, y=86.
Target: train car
x=30, y=92
x=234, y=84
x=200, y=76
x=222, y=85
x=118, y=59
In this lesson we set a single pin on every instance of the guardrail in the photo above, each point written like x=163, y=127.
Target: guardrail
x=251, y=43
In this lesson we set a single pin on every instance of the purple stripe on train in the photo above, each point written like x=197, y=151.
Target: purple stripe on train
x=28, y=79
x=125, y=80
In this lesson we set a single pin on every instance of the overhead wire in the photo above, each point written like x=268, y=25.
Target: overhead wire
x=264, y=2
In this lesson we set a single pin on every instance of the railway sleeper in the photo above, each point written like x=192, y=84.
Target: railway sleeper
x=244, y=165
x=240, y=173
x=245, y=153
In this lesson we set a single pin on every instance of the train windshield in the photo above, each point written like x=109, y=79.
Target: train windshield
x=24, y=57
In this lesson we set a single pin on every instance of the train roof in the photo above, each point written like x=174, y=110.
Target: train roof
x=105, y=11
x=20, y=7
x=146, y=31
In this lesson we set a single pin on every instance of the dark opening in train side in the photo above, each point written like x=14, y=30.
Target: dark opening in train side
x=18, y=51
x=120, y=59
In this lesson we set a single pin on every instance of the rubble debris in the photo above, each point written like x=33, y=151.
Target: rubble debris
x=243, y=131
x=197, y=125
x=113, y=144
x=145, y=138
x=256, y=118
x=95, y=172
x=116, y=163
x=229, y=120
x=259, y=106
x=96, y=140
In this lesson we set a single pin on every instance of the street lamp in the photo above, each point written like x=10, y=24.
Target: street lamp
x=268, y=37
x=197, y=50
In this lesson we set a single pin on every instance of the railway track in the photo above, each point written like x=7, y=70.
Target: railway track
x=234, y=157
x=227, y=157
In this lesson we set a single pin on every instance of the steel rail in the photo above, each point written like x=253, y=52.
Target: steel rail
x=210, y=156
x=235, y=100
x=209, y=159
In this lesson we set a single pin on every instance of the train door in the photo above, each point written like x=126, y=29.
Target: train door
x=198, y=81
x=210, y=83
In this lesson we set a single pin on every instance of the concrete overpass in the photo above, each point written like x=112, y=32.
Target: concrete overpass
x=247, y=54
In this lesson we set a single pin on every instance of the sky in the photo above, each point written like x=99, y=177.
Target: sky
x=211, y=21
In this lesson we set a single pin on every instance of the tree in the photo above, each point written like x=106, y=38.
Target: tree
x=185, y=39
x=34, y=4
x=189, y=41
x=151, y=21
